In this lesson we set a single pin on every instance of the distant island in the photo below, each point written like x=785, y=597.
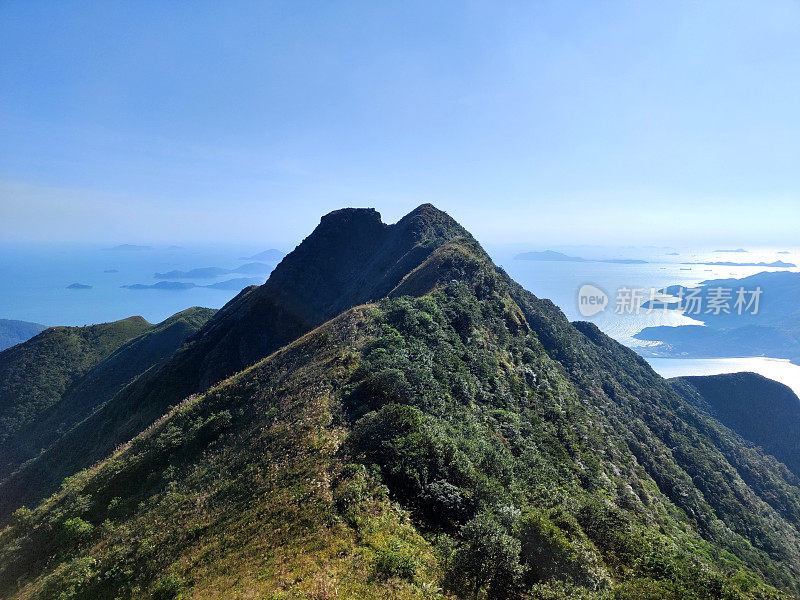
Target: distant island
x=111, y=271
x=271, y=255
x=201, y=273
x=737, y=250
x=236, y=284
x=673, y=253
x=552, y=256
x=256, y=268
x=548, y=256
x=161, y=285
x=79, y=286
x=776, y=264
x=176, y=286
x=783, y=252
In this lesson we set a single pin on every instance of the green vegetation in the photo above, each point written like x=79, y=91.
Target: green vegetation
x=57, y=379
x=484, y=423
x=35, y=374
x=288, y=519
x=456, y=438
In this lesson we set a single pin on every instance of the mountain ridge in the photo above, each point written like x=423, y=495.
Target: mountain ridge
x=90, y=387
x=351, y=257
x=24, y=393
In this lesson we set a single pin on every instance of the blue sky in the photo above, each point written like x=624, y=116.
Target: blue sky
x=543, y=122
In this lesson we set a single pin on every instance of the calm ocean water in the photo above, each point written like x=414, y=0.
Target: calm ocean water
x=34, y=280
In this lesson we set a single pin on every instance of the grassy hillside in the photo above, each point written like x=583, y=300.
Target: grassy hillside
x=761, y=410
x=35, y=374
x=88, y=376
x=159, y=519
x=464, y=439
x=14, y=332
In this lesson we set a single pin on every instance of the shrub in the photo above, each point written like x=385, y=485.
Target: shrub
x=488, y=559
x=444, y=505
x=398, y=440
x=351, y=492
x=71, y=581
x=549, y=552
x=384, y=387
x=169, y=587
x=396, y=560
x=22, y=518
x=76, y=530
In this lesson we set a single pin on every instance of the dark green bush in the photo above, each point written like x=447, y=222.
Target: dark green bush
x=76, y=530
x=169, y=587
x=396, y=560
x=397, y=439
x=488, y=559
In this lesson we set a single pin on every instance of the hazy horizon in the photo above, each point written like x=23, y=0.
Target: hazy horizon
x=564, y=123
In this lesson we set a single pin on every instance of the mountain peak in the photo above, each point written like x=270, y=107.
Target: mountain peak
x=368, y=217
x=353, y=257
x=426, y=211
x=426, y=221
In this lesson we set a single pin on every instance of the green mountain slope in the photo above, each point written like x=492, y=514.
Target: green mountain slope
x=350, y=258
x=88, y=376
x=761, y=410
x=458, y=436
x=15, y=332
x=36, y=373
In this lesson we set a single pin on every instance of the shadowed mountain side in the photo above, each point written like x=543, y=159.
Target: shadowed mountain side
x=14, y=332
x=759, y=409
x=34, y=374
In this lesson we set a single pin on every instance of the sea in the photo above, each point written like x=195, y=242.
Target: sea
x=35, y=280
x=37, y=284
